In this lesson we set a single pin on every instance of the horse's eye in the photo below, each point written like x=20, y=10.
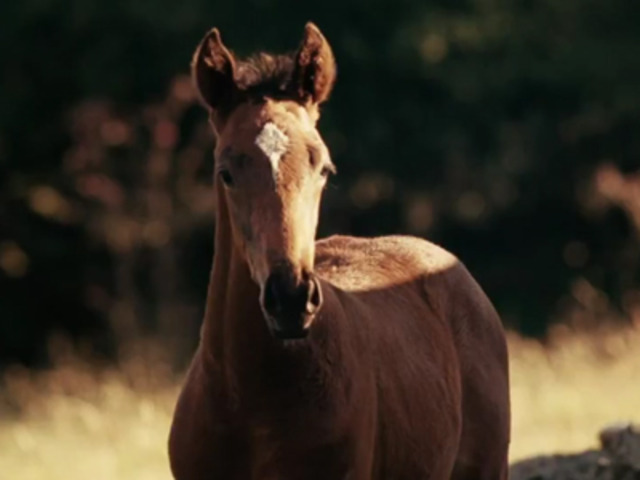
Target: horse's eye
x=226, y=177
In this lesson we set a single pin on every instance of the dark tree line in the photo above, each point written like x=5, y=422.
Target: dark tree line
x=504, y=130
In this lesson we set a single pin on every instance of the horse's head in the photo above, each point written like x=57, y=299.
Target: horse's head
x=271, y=166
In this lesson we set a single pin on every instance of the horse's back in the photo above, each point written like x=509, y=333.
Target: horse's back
x=359, y=264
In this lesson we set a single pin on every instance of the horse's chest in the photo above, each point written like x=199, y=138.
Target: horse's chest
x=301, y=451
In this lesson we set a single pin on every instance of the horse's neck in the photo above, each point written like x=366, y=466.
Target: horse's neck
x=233, y=321
x=235, y=342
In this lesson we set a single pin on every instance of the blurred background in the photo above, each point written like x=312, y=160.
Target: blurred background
x=504, y=130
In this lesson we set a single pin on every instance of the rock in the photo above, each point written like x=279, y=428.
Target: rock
x=618, y=459
x=621, y=442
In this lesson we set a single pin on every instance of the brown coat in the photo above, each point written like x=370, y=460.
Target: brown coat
x=404, y=375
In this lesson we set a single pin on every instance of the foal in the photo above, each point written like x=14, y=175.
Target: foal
x=345, y=358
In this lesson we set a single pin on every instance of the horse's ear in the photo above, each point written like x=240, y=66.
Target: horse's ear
x=213, y=70
x=315, y=67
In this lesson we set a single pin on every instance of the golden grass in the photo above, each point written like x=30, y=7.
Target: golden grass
x=77, y=424
x=563, y=395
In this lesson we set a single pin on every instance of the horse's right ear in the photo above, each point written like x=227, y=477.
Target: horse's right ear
x=213, y=70
x=315, y=67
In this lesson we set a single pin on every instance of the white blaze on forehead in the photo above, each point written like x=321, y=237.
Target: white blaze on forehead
x=274, y=143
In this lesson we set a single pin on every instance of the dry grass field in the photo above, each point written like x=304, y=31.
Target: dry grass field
x=77, y=422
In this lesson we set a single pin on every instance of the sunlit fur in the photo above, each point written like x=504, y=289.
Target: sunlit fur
x=403, y=374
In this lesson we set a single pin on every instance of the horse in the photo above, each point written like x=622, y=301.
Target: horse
x=342, y=358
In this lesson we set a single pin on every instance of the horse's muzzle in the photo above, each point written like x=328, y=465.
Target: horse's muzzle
x=290, y=303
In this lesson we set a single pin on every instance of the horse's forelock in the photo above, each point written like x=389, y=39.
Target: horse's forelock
x=265, y=75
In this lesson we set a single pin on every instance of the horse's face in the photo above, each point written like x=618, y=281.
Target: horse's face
x=272, y=167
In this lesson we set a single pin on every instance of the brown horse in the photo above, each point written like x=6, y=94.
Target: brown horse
x=345, y=358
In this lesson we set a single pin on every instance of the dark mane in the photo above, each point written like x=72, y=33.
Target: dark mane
x=265, y=75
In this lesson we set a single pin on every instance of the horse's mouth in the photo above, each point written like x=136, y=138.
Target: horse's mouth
x=289, y=325
x=289, y=333
x=284, y=328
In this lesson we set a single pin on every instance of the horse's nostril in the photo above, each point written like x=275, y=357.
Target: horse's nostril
x=314, y=296
x=272, y=293
x=281, y=292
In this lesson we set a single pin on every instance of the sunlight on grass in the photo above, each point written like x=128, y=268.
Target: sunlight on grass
x=76, y=422
x=79, y=424
x=563, y=395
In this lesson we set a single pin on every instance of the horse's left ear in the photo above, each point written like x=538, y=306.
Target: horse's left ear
x=213, y=71
x=315, y=67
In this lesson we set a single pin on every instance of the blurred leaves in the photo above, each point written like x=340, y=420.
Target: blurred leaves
x=505, y=130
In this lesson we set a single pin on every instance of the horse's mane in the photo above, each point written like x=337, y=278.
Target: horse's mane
x=264, y=74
